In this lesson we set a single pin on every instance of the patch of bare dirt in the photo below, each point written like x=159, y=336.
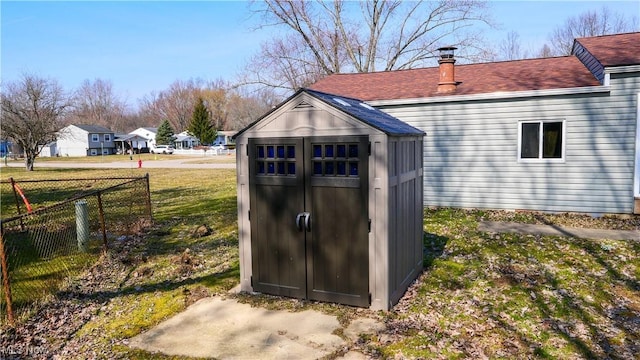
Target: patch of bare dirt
x=49, y=332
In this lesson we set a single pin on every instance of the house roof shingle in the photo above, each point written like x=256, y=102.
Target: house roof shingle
x=614, y=50
x=506, y=76
x=94, y=128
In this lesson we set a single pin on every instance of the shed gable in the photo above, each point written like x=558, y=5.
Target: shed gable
x=305, y=114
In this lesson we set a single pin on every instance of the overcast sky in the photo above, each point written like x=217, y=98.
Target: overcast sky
x=145, y=46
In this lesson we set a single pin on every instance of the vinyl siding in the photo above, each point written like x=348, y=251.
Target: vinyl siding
x=471, y=151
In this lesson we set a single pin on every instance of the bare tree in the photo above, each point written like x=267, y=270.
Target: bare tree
x=31, y=113
x=332, y=37
x=175, y=104
x=96, y=103
x=590, y=23
x=545, y=51
x=243, y=108
x=510, y=48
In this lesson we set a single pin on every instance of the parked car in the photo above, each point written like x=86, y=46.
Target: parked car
x=162, y=149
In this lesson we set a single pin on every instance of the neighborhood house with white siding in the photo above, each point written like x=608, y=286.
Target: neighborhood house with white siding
x=554, y=134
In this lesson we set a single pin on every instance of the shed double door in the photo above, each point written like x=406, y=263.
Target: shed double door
x=309, y=218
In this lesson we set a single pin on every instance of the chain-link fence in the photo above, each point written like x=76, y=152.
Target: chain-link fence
x=53, y=229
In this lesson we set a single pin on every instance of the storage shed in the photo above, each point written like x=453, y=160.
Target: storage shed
x=330, y=202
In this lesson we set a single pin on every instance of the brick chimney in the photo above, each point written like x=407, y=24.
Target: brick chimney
x=447, y=71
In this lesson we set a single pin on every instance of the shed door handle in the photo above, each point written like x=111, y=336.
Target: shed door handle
x=307, y=221
x=303, y=219
x=299, y=221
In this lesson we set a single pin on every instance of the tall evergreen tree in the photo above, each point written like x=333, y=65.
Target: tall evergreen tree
x=201, y=126
x=165, y=135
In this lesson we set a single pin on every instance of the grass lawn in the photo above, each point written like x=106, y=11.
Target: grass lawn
x=481, y=295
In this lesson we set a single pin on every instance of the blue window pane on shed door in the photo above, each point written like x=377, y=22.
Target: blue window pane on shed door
x=271, y=168
x=291, y=168
x=291, y=152
x=261, y=167
x=353, y=151
x=260, y=152
x=353, y=168
x=270, y=152
x=317, y=168
x=280, y=150
x=281, y=168
x=342, y=168
x=317, y=151
x=342, y=151
x=329, y=168
x=328, y=151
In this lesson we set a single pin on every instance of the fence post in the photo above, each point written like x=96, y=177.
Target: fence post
x=148, y=198
x=4, y=263
x=82, y=225
x=103, y=226
x=15, y=195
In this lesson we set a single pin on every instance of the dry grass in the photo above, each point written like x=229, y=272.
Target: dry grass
x=481, y=295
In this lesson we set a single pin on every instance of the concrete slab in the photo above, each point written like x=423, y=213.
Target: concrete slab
x=226, y=329
x=518, y=228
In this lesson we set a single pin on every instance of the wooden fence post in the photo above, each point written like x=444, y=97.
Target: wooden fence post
x=15, y=195
x=4, y=263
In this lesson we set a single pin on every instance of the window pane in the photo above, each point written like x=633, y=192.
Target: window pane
x=281, y=151
x=291, y=152
x=271, y=168
x=353, y=151
x=342, y=151
x=353, y=169
x=552, y=140
x=328, y=168
x=270, y=152
x=317, y=151
x=291, y=168
x=281, y=167
x=342, y=168
x=530, y=141
x=260, y=167
x=317, y=168
x=260, y=152
x=328, y=151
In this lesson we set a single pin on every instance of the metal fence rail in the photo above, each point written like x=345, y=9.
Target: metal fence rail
x=55, y=237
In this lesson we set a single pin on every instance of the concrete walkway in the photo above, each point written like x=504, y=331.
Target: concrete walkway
x=518, y=228
x=226, y=329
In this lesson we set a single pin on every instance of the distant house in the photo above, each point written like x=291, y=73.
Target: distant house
x=5, y=147
x=49, y=150
x=225, y=138
x=185, y=141
x=554, y=134
x=146, y=133
x=85, y=140
x=128, y=143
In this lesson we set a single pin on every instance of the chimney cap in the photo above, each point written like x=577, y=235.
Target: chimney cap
x=446, y=52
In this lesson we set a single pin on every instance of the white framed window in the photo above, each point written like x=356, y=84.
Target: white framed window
x=93, y=152
x=95, y=137
x=107, y=137
x=542, y=140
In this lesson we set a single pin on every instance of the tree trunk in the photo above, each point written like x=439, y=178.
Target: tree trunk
x=28, y=162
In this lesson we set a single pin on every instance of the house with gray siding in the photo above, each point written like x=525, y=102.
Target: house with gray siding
x=557, y=134
x=85, y=140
